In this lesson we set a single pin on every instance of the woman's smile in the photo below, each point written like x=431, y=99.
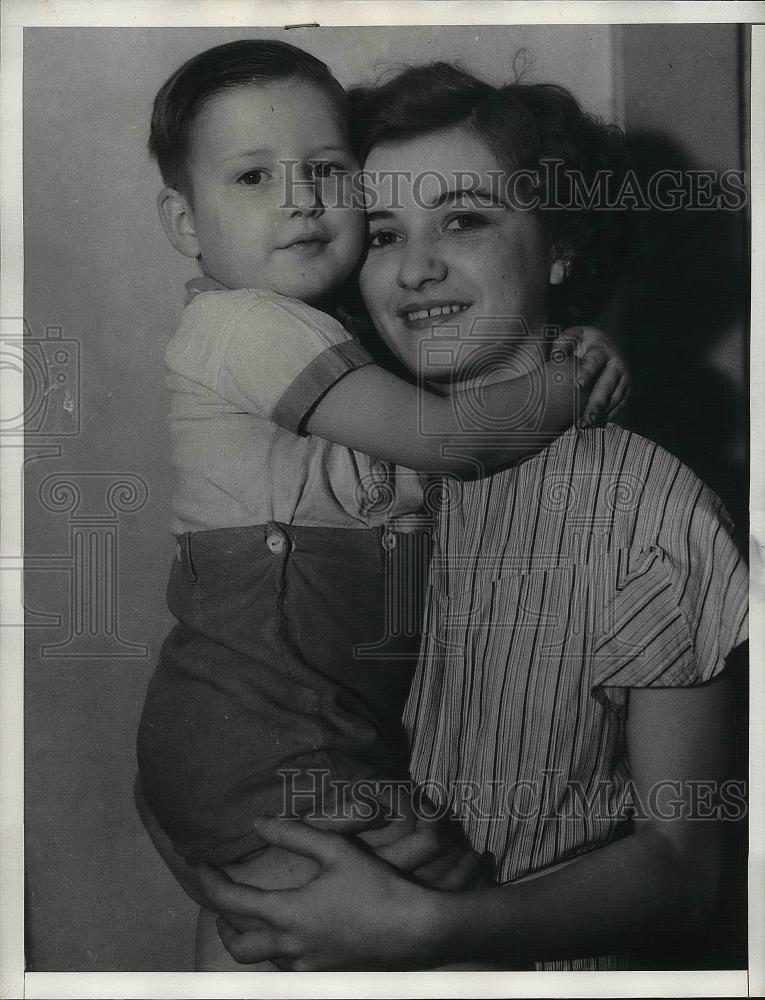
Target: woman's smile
x=418, y=316
x=438, y=257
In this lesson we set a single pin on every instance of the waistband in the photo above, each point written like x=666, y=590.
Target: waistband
x=239, y=542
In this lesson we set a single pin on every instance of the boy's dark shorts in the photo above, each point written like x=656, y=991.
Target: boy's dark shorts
x=293, y=653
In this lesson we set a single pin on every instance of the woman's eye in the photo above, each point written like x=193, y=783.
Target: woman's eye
x=464, y=221
x=326, y=168
x=382, y=238
x=252, y=178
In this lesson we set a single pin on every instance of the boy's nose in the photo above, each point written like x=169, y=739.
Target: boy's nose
x=302, y=193
x=420, y=265
x=309, y=211
x=307, y=201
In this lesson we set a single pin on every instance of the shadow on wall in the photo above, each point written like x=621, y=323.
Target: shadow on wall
x=680, y=309
x=685, y=291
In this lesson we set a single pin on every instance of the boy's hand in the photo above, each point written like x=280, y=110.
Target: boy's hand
x=600, y=359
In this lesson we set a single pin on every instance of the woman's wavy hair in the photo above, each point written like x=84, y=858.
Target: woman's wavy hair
x=524, y=125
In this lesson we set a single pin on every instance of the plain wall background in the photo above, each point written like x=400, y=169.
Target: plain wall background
x=98, y=266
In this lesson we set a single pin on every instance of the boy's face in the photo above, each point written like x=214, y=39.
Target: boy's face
x=260, y=222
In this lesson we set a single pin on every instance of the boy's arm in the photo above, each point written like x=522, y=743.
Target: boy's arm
x=284, y=361
x=478, y=430
x=471, y=433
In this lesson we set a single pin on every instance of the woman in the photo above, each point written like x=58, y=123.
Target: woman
x=570, y=699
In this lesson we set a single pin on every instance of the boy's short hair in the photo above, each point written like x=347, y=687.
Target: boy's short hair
x=523, y=125
x=234, y=64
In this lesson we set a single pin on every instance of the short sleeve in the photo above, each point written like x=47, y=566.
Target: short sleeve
x=275, y=357
x=673, y=611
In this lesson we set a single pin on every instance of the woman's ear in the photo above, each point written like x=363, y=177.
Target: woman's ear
x=178, y=221
x=559, y=270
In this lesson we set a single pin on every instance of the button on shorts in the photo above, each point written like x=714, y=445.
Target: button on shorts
x=286, y=673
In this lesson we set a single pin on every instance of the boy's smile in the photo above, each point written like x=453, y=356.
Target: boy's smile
x=271, y=168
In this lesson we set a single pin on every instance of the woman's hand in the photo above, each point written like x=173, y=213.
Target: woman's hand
x=599, y=357
x=438, y=854
x=434, y=851
x=358, y=912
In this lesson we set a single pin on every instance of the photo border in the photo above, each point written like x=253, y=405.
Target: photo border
x=14, y=982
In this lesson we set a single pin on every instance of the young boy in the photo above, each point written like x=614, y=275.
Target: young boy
x=288, y=533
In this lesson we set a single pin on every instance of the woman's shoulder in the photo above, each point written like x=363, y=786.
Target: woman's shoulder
x=628, y=460
x=615, y=448
x=644, y=492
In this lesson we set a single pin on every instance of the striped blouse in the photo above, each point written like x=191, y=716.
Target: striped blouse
x=603, y=563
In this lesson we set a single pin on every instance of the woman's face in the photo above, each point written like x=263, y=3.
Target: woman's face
x=448, y=250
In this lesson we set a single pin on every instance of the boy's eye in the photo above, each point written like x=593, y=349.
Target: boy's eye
x=252, y=177
x=464, y=221
x=326, y=168
x=382, y=238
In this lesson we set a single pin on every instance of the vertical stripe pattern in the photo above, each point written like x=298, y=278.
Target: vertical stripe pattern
x=601, y=564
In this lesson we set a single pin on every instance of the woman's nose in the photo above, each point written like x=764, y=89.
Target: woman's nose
x=420, y=265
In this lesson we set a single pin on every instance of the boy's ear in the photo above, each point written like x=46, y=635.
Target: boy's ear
x=178, y=221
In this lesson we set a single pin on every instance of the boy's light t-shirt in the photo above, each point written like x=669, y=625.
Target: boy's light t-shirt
x=244, y=370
